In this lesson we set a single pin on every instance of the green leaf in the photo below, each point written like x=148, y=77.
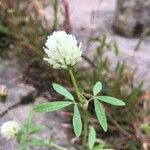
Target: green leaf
x=51, y=106
x=38, y=142
x=36, y=129
x=116, y=48
x=111, y=100
x=100, y=113
x=97, y=88
x=146, y=128
x=77, y=123
x=22, y=138
x=28, y=121
x=91, y=137
x=100, y=147
x=133, y=98
x=103, y=42
x=62, y=91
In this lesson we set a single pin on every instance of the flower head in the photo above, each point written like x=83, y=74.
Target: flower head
x=10, y=129
x=63, y=50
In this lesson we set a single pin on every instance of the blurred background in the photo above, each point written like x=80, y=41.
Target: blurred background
x=116, y=45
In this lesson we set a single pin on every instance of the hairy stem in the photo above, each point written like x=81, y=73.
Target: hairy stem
x=75, y=86
x=84, y=106
x=85, y=127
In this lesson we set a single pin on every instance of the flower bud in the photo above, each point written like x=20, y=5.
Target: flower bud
x=3, y=93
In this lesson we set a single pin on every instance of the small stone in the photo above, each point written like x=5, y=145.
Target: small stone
x=17, y=92
x=132, y=17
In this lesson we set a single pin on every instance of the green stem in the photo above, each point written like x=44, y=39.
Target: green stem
x=51, y=144
x=55, y=9
x=57, y=146
x=75, y=85
x=85, y=127
x=84, y=107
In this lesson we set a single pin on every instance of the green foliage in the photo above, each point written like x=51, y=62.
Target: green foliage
x=116, y=48
x=28, y=121
x=25, y=136
x=111, y=100
x=97, y=88
x=117, y=78
x=62, y=91
x=133, y=98
x=91, y=137
x=145, y=128
x=5, y=33
x=25, y=29
x=100, y=113
x=55, y=10
x=102, y=45
x=28, y=138
x=38, y=142
x=99, y=147
x=51, y=106
x=36, y=128
x=77, y=123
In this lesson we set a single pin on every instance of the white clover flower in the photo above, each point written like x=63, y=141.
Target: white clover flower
x=63, y=50
x=10, y=129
